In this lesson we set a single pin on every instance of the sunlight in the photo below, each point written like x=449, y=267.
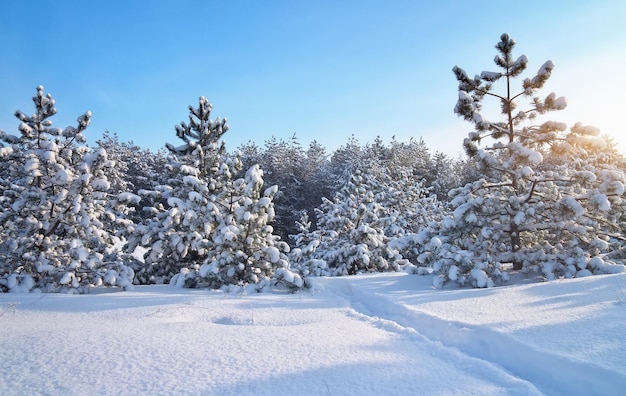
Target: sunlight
x=593, y=91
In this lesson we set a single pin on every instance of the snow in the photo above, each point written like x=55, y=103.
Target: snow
x=273, y=253
x=129, y=197
x=264, y=202
x=560, y=103
x=489, y=76
x=533, y=157
x=464, y=96
x=601, y=201
x=546, y=69
x=100, y=184
x=373, y=334
x=572, y=204
x=5, y=151
x=521, y=61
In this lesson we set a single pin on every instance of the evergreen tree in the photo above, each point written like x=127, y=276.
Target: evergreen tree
x=317, y=181
x=413, y=159
x=184, y=211
x=301, y=174
x=136, y=169
x=346, y=160
x=210, y=228
x=246, y=250
x=350, y=237
x=373, y=221
x=55, y=229
x=283, y=166
x=549, y=220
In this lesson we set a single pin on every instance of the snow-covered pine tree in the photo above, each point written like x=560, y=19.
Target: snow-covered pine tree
x=408, y=209
x=350, y=234
x=306, y=242
x=407, y=205
x=53, y=223
x=598, y=156
x=184, y=210
x=347, y=160
x=384, y=193
x=518, y=213
x=246, y=250
x=401, y=171
x=210, y=228
x=135, y=169
x=301, y=174
x=283, y=165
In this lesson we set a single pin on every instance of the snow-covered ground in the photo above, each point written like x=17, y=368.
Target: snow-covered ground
x=381, y=334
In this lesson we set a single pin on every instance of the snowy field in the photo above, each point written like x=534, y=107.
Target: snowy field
x=381, y=334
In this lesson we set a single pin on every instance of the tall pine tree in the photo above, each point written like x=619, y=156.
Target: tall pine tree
x=549, y=219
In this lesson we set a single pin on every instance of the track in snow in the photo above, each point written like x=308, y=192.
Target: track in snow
x=489, y=346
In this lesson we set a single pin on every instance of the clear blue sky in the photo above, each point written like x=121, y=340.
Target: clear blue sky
x=324, y=70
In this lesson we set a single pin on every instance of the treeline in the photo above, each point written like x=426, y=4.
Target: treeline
x=536, y=198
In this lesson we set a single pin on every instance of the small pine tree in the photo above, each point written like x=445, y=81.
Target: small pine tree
x=210, y=228
x=184, y=211
x=54, y=224
x=350, y=234
x=246, y=250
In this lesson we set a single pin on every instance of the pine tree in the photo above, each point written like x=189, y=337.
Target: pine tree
x=518, y=212
x=210, y=228
x=136, y=169
x=302, y=175
x=246, y=250
x=350, y=237
x=184, y=210
x=55, y=230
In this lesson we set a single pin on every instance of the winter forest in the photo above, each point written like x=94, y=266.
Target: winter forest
x=532, y=196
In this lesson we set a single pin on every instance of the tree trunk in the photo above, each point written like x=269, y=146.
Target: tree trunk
x=516, y=243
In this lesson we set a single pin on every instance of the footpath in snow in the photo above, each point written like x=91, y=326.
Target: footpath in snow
x=565, y=337
x=370, y=335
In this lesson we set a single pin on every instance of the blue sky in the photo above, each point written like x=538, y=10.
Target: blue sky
x=322, y=70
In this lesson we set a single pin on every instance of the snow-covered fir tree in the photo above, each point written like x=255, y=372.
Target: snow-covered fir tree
x=210, y=228
x=55, y=229
x=547, y=219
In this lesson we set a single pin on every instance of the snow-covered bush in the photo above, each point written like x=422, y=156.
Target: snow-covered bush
x=55, y=226
x=552, y=219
